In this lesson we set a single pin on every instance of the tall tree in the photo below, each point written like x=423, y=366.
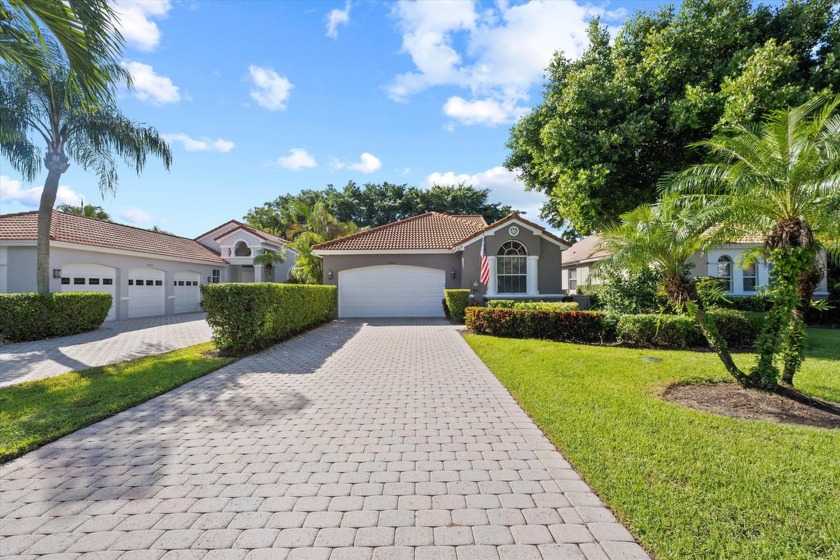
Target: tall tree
x=779, y=180
x=313, y=225
x=86, y=210
x=615, y=120
x=84, y=30
x=34, y=107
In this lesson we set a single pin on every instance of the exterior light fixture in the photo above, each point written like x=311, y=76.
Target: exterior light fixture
x=329, y=274
x=475, y=284
x=452, y=273
x=56, y=273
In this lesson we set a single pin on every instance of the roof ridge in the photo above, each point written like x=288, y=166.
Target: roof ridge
x=370, y=230
x=75, y=216
x=460, y=217
x=220, y=226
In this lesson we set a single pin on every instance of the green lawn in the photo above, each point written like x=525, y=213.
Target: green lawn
x=38, y=412
x=688, y=484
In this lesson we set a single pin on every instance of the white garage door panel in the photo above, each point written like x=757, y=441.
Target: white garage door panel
x=391, y=291
x=79, y=277
x=146, y=292
x=187, y=292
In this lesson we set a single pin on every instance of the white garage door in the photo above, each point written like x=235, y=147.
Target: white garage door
x=146, y=292
x=391, y=291
x=79, y=277
x=187, y=292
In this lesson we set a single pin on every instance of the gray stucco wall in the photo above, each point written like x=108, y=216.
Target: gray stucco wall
x=442, y=261
x=20, y=271
x=550, y=268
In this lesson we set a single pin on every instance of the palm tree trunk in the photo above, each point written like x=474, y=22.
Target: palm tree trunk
x=56, y=163
x=795, y=335
x=718, y=344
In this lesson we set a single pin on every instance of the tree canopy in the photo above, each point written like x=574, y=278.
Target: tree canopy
x=617, y=119
x=372, y=204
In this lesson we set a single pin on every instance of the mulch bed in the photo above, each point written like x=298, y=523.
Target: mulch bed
x=730, y=399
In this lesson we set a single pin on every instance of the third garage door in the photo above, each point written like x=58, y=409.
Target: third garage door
x=391, y=291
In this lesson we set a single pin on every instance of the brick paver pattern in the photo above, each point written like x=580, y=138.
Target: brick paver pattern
x=380, y=439
x=115, y=341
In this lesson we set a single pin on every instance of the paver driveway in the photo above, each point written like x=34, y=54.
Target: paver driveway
x=358, y=440
x=115, y=341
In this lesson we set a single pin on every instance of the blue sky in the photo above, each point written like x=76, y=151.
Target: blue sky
x=261, y=98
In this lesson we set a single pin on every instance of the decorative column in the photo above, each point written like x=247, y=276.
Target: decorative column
x=258, y=273
x=532, y=279
x=491, y=285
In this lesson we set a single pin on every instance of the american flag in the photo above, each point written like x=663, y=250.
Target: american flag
x=485, y=265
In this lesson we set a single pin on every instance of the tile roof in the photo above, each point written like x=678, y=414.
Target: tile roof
x=69, y=228
x=432, y=230
x=584, y=250
x=515, y=216
x=258, y=232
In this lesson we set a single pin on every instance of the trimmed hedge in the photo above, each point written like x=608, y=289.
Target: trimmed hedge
x=739, y=328
x=39, y=316
x=533, y=305
x=249, y=317
x=576, y=326
x=455, y=302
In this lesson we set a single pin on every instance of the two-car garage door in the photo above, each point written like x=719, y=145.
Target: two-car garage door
x=391, y=291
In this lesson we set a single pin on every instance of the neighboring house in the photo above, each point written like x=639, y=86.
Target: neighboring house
x=401, y=269
x=147, y=273
x=722, y=261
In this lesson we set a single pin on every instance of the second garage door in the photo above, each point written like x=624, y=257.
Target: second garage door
x=146, y=292
x=391, y=291
x=187, y=292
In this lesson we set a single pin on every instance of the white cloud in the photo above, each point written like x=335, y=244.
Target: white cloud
x=504, y=187
x=151, y=87
x=481, y=111
x=135, y=215
x=201, y=144
x=270, y=90
x=135, y=22
x=12, y=192
x=368, y=163
x=298, y=158
x=498, y=54
x=336, y=18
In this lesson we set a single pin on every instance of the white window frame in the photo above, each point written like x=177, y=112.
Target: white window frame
x=572, y=280
x=522, y=258
x=726, y=260
x=750, y=273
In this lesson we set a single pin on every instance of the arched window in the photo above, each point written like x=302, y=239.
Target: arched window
x=724, y=272
x=750, y=278
x=511, y=266
x=242, y=250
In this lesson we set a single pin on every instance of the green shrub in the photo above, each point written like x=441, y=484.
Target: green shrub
x=532, y=305
x=637, y=292
x=738, y=328
x=249, y=317
x=577, y=326
x=39, y=316
x=455, y=302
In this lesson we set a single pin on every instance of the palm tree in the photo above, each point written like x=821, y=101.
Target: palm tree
x=779, y=180
x=47, y=109
x=664, y=237
x=269, y=258
x=83, y=30
x=312, y=225
x=86, y=210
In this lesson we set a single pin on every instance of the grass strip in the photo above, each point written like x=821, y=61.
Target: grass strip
x=38, y=412
x=687, y=483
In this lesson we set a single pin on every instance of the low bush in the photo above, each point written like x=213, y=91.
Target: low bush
x=824, y=317
x=533, y=305
x=249, y=317
x=455, y=301
x=575, y=326
x=39, y=316
x=739, y=328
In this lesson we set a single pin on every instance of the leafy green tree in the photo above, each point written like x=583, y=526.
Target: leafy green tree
x=83, y=30
x=313, y=225
x=779, y=180
x=86, y=210
x=269, y=259
x=615, y=120
x=663, y=237
x=36, y=108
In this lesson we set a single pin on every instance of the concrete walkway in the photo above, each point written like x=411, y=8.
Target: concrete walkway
x=115, y=341
x=382, y=440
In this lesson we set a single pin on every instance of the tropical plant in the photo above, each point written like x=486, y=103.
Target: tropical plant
x=269, y=259
x=83, y=30
x=779, y=180
x=34, y=107
x=312, y=225
x=86, y=210
x=663, y=237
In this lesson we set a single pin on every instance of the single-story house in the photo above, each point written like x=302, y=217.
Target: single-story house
x=722, y=261
x=147, y=273
x=401, y=269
